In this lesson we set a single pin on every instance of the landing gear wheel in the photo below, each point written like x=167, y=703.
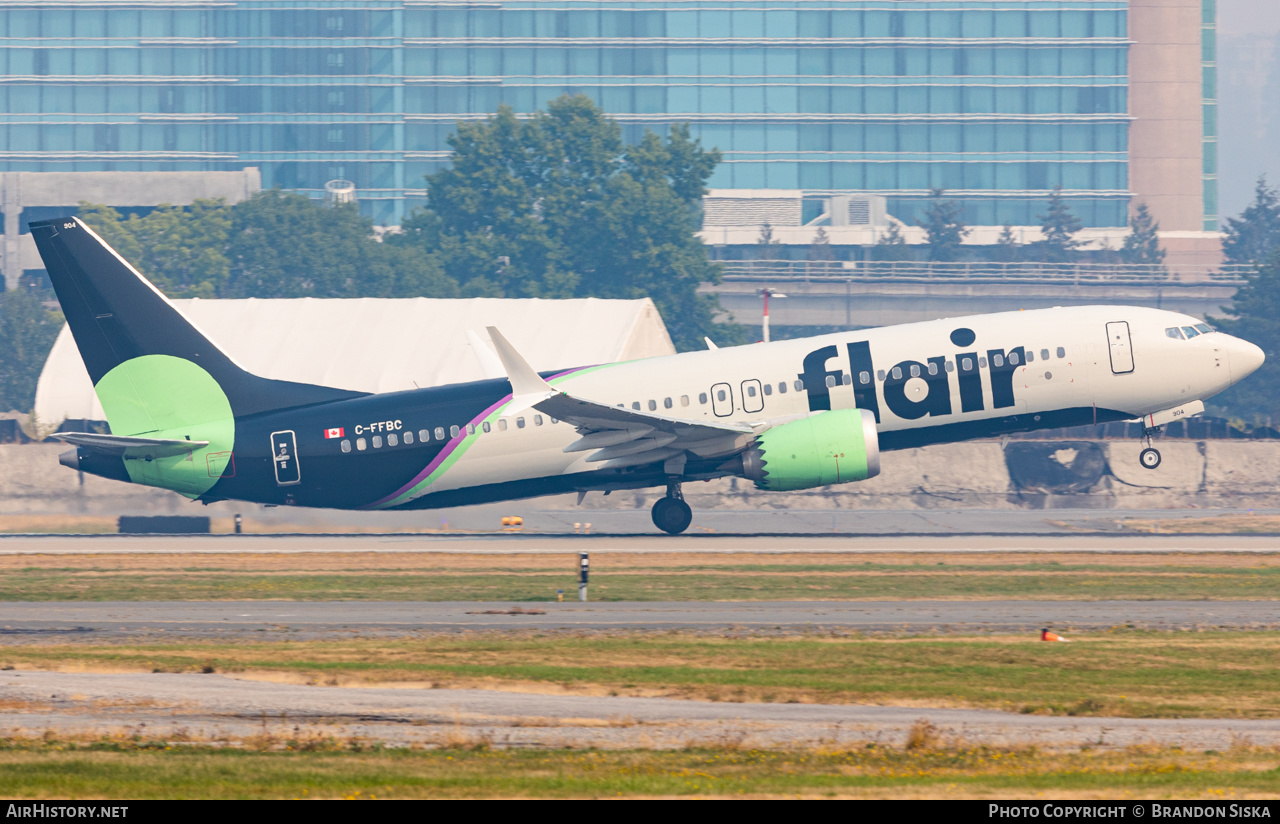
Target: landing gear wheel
x=672, y=515
x=1149, y=458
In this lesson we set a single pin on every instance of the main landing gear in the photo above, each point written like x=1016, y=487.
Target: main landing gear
x=1149, y=457
x=671, y=514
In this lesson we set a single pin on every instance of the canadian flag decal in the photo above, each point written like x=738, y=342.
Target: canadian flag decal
x=333, y=433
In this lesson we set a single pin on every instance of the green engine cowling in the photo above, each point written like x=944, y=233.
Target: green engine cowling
x=833, y=447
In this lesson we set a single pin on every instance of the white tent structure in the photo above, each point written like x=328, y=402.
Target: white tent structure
x=382, y=345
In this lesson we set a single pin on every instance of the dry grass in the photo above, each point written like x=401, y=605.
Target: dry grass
x=1134, y=674
x=309, y=764
x=641, y=576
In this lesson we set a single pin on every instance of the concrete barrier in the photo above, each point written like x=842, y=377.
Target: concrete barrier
x=979, y=474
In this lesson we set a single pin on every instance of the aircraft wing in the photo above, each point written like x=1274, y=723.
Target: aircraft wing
x=120, y=444
x=619, y=437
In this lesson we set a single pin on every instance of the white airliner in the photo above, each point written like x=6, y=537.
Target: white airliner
x=787, y=415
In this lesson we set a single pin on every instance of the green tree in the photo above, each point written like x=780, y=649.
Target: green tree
x=1255, y=316
x=27, y=332
x=944, y=227
x=1143, y=243
x=1008, y=249
x=557, y=205
x=1255, y=235
x=181, y=250
x=284, y=245
x=892, y=245
x=1059, y=226
x=767, y=245
x=820, y=248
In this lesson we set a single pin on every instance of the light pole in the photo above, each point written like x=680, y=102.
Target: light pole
x=767, y=293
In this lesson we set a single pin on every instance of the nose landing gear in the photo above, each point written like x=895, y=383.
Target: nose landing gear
x=671, y=514
x=1149, y=457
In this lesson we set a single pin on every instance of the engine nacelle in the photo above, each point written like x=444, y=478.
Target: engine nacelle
x=833, y=447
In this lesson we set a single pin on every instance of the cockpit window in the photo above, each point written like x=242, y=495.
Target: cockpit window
x=1190, y=332
x=1174, y=332
x=1204, y=328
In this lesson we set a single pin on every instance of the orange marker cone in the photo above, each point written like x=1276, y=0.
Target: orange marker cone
x=1046, y=635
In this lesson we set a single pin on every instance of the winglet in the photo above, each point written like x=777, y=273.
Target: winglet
x=711, y=344
x=527, y=386
x=489, y=363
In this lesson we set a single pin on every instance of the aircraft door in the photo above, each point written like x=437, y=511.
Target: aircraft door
x=1121, y=346
x=284, y=455
x=752, y=396
x=722, y=399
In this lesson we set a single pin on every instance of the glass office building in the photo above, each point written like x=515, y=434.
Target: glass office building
x=996, y=101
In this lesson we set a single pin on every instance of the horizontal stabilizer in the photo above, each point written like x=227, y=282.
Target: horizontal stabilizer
x=120, y=444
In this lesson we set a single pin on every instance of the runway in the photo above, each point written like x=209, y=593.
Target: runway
x=62, y=621
x=221, y=707
x=703, y=543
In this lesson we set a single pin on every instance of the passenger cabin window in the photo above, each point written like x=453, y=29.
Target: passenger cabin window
x=377, y=441
x=635, y=405
x=1031, y=356
x=951, y=367
x=408, y=438
x=768, y=389
x=998, y=360
x=982, y=363
x=966, y=364
x=1062, y=352
x=653, y=406
x=751, y=391
x=933, y=369
x=782, y=388
x=702, y=398
x=439, y=433
x=361, y=445
x=831, y=381
x=454, y=431
x=471, y=429
x=537, y=420
x=684, y=400
x=1044, y=354
x=799, y=385
x=1174, y=332
x=720, y=395
x=346, y=445
x=519, y=423
x=847, y=378
x=393, y=440
x=666, y=403
x=880, y=375
x=485, y=427
x=897, y=373
x=915, y=370
x=1013, y=358
x=864, y=378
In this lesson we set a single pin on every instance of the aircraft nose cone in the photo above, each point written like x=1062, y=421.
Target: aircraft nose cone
x=1245, y=358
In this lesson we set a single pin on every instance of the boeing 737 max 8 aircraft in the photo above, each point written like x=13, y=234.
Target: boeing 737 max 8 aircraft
x=787, y=415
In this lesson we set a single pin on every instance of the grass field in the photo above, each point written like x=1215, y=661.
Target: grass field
x=640, y=577
x=1131, y=674
x=133, y=768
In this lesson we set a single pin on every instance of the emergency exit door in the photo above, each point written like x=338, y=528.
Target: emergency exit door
x=1121, y=347
x=284, y=454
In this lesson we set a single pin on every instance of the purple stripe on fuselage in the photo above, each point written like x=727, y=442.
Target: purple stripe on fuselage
x=453, y=444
